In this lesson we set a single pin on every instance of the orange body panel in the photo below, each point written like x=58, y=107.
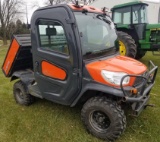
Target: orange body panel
x=53, y=71
x=10, y=56
x=115, y=64
x=89, y=8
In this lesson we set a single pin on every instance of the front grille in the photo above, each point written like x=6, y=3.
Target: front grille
x=155, y=35
x=140, y=80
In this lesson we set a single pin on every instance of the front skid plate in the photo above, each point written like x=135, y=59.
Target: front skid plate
x=139, y=107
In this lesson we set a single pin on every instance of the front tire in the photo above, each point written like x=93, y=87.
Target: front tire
x=103, y=118
x=21, y=94
x=127, y=46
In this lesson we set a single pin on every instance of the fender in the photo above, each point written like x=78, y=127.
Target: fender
x=25, y=76
x=98, y=87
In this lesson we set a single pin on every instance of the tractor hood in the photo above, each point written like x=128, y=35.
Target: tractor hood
x=116, y=64
x=153, y=26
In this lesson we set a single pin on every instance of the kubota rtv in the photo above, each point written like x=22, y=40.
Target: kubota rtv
x=72, y=57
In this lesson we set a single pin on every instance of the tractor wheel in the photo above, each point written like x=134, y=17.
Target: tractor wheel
x=103, y=118
x=21, y=95
x=127, y=46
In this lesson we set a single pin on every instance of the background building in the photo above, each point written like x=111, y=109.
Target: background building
x=153, y=8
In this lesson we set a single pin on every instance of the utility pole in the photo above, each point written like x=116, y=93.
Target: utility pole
x=27, y=14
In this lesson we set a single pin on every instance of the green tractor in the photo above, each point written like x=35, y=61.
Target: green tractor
x=136, y=35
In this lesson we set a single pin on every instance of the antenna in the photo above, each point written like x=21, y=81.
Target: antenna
x=106, y=11
x=78, y=3
x=87, y=2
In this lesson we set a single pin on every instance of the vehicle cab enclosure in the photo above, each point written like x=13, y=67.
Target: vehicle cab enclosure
x=64, y=40
x=132, y=19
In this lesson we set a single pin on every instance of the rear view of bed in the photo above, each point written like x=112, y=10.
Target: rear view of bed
x=19, y=56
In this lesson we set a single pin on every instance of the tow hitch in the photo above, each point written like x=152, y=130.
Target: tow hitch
x=150, y=105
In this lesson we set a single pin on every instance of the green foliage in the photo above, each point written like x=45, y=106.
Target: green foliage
x=45, y=121
x=15, y=28
x=21, y=28
x=9, y=9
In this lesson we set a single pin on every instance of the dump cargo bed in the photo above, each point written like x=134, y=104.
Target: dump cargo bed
x=19, y=56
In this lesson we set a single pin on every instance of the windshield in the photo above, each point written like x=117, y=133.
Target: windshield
x=97, y=33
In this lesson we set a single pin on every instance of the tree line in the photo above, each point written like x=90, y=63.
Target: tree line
x=17, y=27
x=11, y=10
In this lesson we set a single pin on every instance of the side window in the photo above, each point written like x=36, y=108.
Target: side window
x=122, y=15
x=52, y=37
x=117, y=18
x=126, y=18
x=135, y=17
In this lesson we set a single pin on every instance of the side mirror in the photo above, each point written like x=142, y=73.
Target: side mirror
x=51, y=31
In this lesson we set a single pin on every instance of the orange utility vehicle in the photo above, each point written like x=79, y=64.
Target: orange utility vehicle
x=72, y=57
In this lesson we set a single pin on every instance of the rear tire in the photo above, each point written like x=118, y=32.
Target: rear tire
x=140, y=55
x=103, y=118
x=21, y=94
x=127, y=45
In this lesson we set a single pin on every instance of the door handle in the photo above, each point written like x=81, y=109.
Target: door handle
x=77, y=72
x=36, y=65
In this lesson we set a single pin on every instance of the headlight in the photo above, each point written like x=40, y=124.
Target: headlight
x=115, y=77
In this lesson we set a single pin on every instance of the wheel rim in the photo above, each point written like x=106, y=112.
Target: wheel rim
x=19, y=94
x=99, y=121
x=122, y=48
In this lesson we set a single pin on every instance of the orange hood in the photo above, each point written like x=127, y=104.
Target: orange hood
x=115, y=64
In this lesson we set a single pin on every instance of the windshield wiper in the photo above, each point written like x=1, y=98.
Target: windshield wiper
x=97, y=51
x=107, y=21
x=103, y=18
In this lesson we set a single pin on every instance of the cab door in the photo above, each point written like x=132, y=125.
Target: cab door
x=55, y=55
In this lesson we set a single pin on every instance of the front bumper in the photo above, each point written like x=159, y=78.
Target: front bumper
x=140, y=100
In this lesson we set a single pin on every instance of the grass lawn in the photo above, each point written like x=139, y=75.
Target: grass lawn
x=45, y=121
